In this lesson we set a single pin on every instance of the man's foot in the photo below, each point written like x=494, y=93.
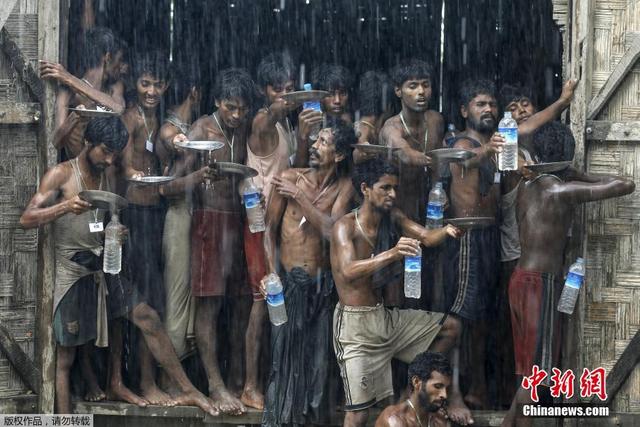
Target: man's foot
x=94, y=393
x=155, y=396
x=121, y=393
x=195, y=398
x=252, y=398
x=475, y=402
x=227, y=403
x=458, y=411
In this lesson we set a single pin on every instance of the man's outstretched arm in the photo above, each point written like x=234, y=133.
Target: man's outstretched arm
x=606, y=187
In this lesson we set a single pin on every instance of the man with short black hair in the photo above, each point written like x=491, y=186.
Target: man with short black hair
x=429, y=376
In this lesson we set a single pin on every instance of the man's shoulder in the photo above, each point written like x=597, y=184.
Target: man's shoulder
x=60, y=173
x=434, y=116
x=291, y=174
x=465, y=141
x=392, y=123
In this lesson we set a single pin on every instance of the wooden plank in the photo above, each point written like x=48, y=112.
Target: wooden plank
x=19, y=113
x=48, y=47
x=599, y=130
x=21, y=64
x=615, y=78
x=28, y=372
x=22, y=404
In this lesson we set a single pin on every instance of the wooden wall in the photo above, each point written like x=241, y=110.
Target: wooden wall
x=18, y=180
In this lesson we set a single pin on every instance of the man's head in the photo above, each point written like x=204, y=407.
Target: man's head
x=554, y=142
x=478, y=105
x=333, y=146
x=375, y=93
x=276, y=76
x=412, y=84
x=377, y=182
x=185, y=84
x=150, y=74
x=429, y=377
x=336, y=80
x=517, y=100
x=107, y=137
x=103, y=49
x=234, y=94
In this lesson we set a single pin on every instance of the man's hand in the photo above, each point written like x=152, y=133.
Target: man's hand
x=452, y=231
x=568, y=89
x=495, y=144
x=207, y=173
x=406, y=246
x=307, y=120
x=285, y=188
x=123, y=234
x=180, y=137
x=54, y=71
x=263, y=286
x=77, y=206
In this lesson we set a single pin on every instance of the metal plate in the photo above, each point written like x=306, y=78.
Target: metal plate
x=151, y=180
x=200, y=145
x=228, y=168
x=301, y=96
x=549, y=167
x=471, y=222
x=93, y=113
x=451, y=154
x=374, y=149
x=104, y=199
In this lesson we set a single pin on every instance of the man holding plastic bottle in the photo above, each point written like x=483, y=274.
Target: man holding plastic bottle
x=545, y=209
x=303, y=207
x=367, y=249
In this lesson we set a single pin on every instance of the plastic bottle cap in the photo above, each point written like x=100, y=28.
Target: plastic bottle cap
x=507, y=114
x=307, y=86
x=580, y=259
x=438, y=184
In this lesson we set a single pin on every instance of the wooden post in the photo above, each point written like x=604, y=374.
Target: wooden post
x=48, y=48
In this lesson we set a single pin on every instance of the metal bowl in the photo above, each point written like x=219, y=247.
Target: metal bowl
x=228, y=168
x=451, y=154
x=151, y=180
x=200, y=145
x=93, y=113
x=374, y=149
x=301, y=96
x=549, y=167
x=471, y=222
x=104, y=199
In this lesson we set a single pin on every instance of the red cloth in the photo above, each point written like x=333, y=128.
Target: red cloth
x=216, y=248
x=256, y=260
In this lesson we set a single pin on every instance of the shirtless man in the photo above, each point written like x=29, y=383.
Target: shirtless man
x=77, y=248
x=415, y=131
x=367, y=249
x=102, y=58
x=267, y=152
x=216, y=228
x=303, y=207
x=545, y=209
x=472, y=271
x=429, y=377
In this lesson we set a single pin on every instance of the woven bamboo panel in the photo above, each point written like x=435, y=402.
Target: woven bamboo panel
x=18, y=180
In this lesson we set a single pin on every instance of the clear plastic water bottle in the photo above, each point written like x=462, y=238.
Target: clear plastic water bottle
x=312, y=105
x=572, y=286
x=255, y=213
x=112, y=261
x=435, y=207
x=275, y=300
x=450, y=136
x=413, y=275
x=508, y=128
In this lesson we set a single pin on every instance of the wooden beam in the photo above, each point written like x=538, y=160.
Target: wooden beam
x=28, y=372
x=19, y=113
x=599, y=130
x=48, y=48
x=619, y=73
x=621, y=370
x=21, y=64
x=6, y=6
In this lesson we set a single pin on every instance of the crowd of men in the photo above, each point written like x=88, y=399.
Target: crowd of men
x=339, y=223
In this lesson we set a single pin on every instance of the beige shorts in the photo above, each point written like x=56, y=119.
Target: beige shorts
x=365, y=340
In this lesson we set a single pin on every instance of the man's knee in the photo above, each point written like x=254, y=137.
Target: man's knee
x=451, y=328
x=356, y=418
x=147, y=319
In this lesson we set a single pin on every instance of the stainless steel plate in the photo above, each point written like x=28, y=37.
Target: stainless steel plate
x=374, y=149
x=451, y=154
x=301, y=96
x=549, y=167
x=93, y=113
x=151, y=180
x=200, y=145
x=104, y=199
x=471, y=222
x=228, y=168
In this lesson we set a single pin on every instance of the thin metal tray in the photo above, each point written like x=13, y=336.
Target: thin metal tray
x=549, y=167
x=451, y=154
x=151, y=180
x=228, y=168
x=200, y=145
x=104, y=199
x=93, y=113
x=374, y=149
x=301, y=96
x=471, y=222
